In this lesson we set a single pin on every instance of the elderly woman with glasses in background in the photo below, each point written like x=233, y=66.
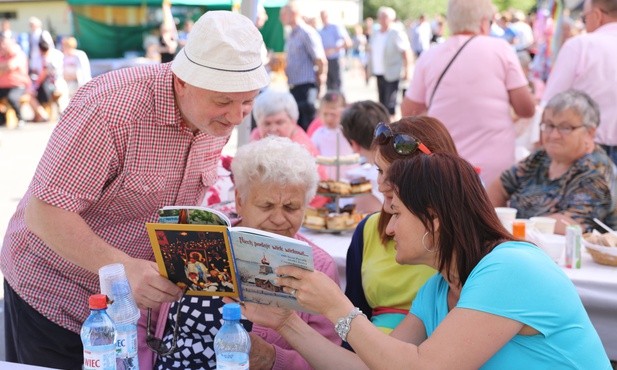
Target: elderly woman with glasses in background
x=570, y=178
x=275, y=179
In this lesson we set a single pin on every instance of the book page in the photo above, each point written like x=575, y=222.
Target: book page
x=197, y=257
x=192, y=215
x=257, y=256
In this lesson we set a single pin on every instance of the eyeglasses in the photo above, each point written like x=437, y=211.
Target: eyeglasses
x=156, y=344
x=563, y=130
x=403, y=144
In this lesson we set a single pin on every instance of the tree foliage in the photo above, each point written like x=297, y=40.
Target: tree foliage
x=406, y=9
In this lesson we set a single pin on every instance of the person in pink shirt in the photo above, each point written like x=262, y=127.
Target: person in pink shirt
x=588, y=63
x=329, y=139
x=276, y=113
x=14, y=79
x=475, y=97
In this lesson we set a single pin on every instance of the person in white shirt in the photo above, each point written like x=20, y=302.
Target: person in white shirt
x=420, y=35
x=328, y=139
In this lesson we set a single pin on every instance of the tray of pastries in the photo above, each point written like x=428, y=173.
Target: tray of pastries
x=340, y=160
x=327, y=221
x=602, y=247
x=344, y=188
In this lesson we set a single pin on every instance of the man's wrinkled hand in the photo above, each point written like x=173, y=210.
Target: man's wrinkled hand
x=150, y=289
x=262, y=354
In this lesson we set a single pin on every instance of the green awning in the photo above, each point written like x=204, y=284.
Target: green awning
x=156, y=3
x=152, y=3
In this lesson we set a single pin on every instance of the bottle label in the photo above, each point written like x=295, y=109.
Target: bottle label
x=232, y=361
x=100, y=357
x=126, y=340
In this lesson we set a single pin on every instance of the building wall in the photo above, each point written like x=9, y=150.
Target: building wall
x=55, y=15
x=346, y=12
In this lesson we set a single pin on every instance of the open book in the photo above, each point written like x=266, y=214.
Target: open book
x=219, y=260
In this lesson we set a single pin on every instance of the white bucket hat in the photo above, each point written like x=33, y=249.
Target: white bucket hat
x=222, y=53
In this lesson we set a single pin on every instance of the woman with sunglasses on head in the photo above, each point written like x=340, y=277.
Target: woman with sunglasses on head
x=496, y=303
x=382, y=288
x=275, y=179
x=571, y=178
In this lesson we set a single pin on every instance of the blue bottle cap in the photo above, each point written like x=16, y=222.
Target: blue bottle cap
x=232, y=311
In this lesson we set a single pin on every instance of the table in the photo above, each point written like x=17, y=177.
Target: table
x=596, y=285
x=336, y=245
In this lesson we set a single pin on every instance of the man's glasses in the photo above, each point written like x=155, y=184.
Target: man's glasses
x=403, y=144
x=563, y=130
x=156, y=344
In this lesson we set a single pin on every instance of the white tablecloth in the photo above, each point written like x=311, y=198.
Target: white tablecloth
x=596, y=285
x=335, y=244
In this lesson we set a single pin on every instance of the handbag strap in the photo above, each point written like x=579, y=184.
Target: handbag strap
x=446, y=70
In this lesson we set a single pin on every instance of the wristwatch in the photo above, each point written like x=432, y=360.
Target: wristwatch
x=343, y=325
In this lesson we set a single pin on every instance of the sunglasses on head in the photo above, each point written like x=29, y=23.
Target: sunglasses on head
x=156, y=344
x=403, y=144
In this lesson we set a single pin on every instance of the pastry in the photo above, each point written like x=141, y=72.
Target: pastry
x=343, y=159
x=360, y=185
x=334, y=187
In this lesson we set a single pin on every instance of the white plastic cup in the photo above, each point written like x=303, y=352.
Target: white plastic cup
x=113, y=284
x=545, y=225
x=507, y=216
x=553, y=245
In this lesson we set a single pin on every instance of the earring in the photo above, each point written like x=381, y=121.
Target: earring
x=424, y=244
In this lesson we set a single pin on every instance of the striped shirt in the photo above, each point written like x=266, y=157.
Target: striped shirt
x=303, y=47
x=120, y=152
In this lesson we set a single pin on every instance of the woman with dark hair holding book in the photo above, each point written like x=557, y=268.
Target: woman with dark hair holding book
x=496, y=303
x=275, y=179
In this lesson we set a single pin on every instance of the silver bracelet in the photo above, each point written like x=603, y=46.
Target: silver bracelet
x=343, y=325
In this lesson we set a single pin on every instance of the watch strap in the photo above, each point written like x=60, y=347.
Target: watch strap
x=343, y=325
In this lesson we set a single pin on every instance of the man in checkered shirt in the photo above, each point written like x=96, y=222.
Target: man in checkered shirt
x=130, y=142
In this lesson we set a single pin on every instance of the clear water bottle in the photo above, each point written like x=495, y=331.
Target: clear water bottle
x=124, y=313
x=98, y=336
x=232, y=343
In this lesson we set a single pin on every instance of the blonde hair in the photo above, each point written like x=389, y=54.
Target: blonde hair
x=69, y=42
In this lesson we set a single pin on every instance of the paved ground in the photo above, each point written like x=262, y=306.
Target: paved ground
x=20, y=150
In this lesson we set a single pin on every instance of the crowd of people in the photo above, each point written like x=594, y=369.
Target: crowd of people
x=34, y=71
x=434, y=279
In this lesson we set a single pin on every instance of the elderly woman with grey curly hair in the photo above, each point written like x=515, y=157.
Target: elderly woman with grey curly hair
x=571, y=178
x=275, y=178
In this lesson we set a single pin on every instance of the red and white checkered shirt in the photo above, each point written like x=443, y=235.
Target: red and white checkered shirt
x=118, y=154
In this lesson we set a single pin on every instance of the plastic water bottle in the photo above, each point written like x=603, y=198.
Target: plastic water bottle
x=232, y=343
x=124, y=313
x=98, y=336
